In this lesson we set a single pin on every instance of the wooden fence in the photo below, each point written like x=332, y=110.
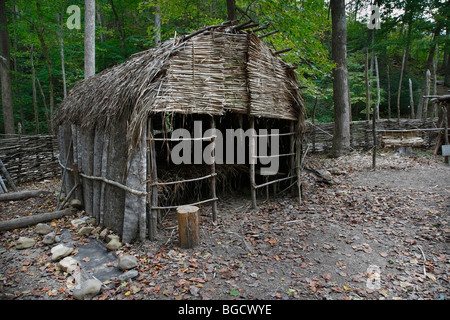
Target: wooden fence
x=30, y=158
x=319, y=136
x=34, y=158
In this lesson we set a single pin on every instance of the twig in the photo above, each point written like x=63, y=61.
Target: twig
x=68, y=196
x=424, y=260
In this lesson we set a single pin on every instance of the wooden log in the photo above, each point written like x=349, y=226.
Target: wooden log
x=34, y=219
x=134, y=221
x=20, y=195
x=188, y=226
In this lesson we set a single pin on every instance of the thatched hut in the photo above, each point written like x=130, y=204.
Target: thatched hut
x=115, y=127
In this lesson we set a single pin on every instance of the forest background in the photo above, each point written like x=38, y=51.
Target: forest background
x=47, y=58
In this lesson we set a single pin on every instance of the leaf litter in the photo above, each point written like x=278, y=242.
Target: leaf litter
x=394, y=218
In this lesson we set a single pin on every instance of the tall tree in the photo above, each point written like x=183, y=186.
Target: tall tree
x=40, y=33
x=341, y=137
x=89, y=38
x=5, y=74
x=231, y=10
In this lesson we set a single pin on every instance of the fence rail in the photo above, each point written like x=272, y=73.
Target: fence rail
x=319, y=136
x=34, y=158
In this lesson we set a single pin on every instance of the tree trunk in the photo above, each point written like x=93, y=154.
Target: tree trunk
x=231, y=10
x=411, y=99
x=367, y=80
x=399, y=94
x=34, y=92
x=389, y=91
x=40, y=34
x=446, y=62
x=89, y=38
x=427, y=93
x=341, y=137
x=119, y=28
x=157, y=25
x=61, y=52
x=420, y=108
x=5, y=74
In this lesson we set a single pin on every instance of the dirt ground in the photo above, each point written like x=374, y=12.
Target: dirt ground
x=369, y=234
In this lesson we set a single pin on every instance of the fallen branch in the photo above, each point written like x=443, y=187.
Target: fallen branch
x=424, y=261
x=35, y=219
x=13, y=196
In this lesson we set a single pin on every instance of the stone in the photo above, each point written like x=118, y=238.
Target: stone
x=68, y=264
x=127, y=262
x=49, y=238
x=131, y=274
x=114, y=244
x=60, y=251
x=85, y=231
x=325, y=174
x=111, y=237
x=43, y=228
x=75, y=203
x=88, y=289
x=78, y=222
x=24, y=243
x=103, y=234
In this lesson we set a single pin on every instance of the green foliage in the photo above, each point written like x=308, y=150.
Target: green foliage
x=128, y=26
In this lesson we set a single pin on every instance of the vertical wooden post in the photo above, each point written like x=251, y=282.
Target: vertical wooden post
x=76, y=162
x=292, y=148
x=374, y=135
x=252, y=160
x=445, y=115
x=298, y=155
x=153, y=221
x=213, y=170
x=188, y=226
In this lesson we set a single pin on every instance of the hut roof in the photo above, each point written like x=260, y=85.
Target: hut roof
x=212, y=71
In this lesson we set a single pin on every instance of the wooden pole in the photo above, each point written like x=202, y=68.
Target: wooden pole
x=213, y=170
x=292, y=146
x=374, y=135
x=153, y=221
x=299, y=166
x=188, y=226
x=445, y=115
x=411, y=99
x=252, y=161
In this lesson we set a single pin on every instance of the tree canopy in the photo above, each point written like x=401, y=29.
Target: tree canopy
x=47, y=57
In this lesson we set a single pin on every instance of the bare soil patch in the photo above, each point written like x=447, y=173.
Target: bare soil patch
x=381, y=234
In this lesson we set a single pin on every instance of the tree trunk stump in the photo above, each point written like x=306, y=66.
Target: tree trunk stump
x=188, y=226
